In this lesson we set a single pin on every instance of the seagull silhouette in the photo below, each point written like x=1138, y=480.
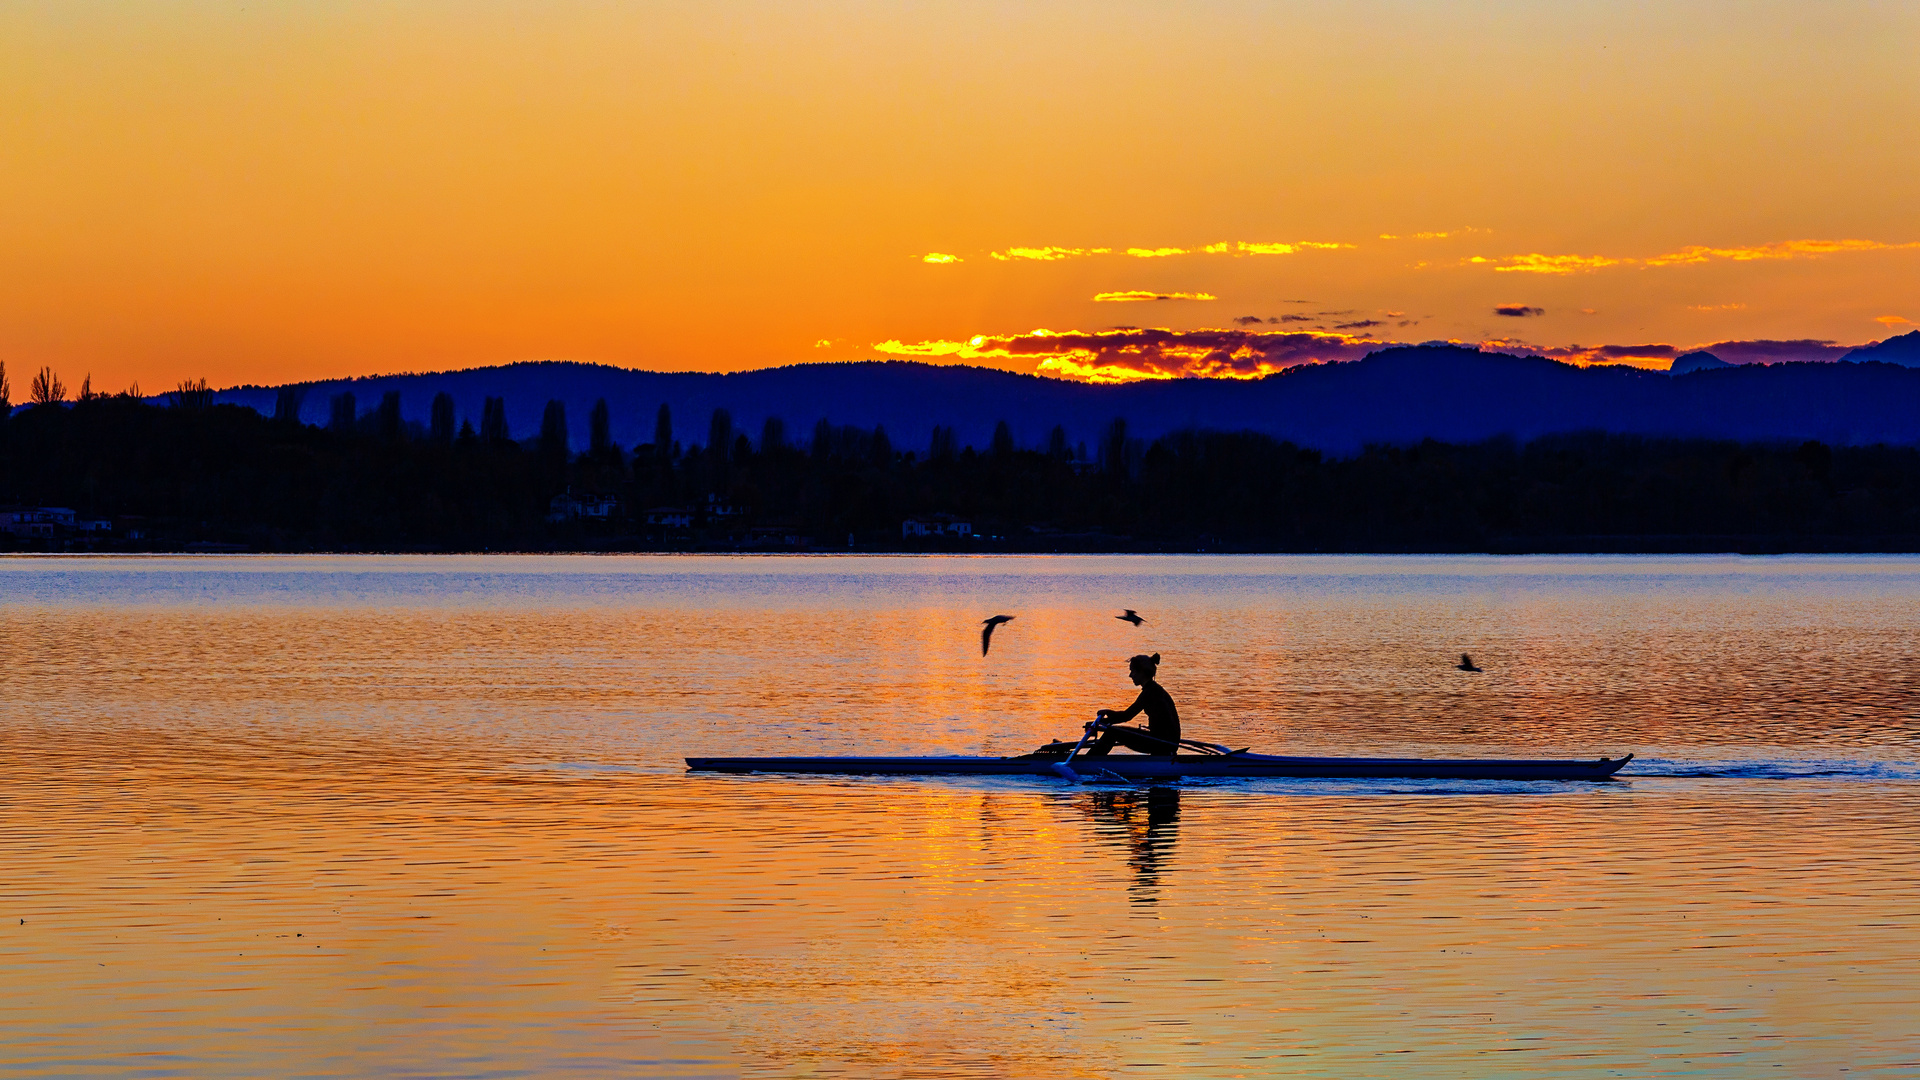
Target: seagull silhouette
x=1466, y=663
x=986, y=633
x=1130, y=617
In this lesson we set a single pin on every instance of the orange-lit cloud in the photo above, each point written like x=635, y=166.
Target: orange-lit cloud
x=1784, y=249
x=1046, y=254
x=1133, y=295
x=939, y=257
x=1245, y=248
x=1536, y=263
x=1129, y=355
x=1468, y=231
x=1717, y=307
x=1891, y=321
x=1224, y=247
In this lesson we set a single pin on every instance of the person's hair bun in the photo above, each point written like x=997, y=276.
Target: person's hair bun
x=1156, y=658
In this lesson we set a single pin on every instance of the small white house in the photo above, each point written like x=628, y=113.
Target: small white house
x=935, y=525
x=670, y=517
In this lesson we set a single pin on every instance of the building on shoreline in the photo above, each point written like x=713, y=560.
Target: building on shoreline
x=49, y=523
x=934, y=525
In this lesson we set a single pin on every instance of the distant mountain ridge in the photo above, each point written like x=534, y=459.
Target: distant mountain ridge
x=1397, y=395
x=1903, y=350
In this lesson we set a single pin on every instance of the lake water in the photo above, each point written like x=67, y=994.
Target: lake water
x=427, y=817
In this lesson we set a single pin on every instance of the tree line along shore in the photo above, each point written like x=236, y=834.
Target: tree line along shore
x=187, y=474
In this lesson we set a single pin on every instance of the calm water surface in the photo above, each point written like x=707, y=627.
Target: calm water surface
x=427, y=817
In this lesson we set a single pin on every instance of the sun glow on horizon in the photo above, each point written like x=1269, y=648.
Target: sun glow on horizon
x=275, y=194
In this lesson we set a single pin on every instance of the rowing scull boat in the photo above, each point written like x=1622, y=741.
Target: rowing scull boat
x=1237, y=763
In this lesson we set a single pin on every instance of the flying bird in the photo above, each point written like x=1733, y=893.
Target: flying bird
x=1466, y=663
x=986, y=632
x=1130, y=617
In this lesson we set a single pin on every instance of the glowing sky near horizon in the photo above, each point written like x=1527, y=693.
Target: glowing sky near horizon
x=266, y=193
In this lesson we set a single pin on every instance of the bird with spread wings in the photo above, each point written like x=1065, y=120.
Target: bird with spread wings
x=987, y=628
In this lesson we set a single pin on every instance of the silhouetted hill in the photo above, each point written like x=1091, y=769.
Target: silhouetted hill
x=1398, y=395
x=1903, y=350
x=1688, y=363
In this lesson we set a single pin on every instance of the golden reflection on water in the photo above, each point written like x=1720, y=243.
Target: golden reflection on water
x=307, y=817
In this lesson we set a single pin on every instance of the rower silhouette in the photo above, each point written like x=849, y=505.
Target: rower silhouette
x=1131, y=617
x=1466, y=663
x=986, y=632
x=1163, y=719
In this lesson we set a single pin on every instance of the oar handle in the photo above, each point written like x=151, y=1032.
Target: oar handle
x=1065, y=768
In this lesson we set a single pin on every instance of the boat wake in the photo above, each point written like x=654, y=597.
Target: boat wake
x=1772, y=769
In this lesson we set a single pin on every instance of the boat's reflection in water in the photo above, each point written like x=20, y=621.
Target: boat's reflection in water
x=1147, y=821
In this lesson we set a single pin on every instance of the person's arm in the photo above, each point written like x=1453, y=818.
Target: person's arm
x=1131, y=711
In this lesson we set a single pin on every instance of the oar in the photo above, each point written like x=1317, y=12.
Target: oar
x=1064, y=769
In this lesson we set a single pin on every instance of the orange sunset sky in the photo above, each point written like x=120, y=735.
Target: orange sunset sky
x=267, y=192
